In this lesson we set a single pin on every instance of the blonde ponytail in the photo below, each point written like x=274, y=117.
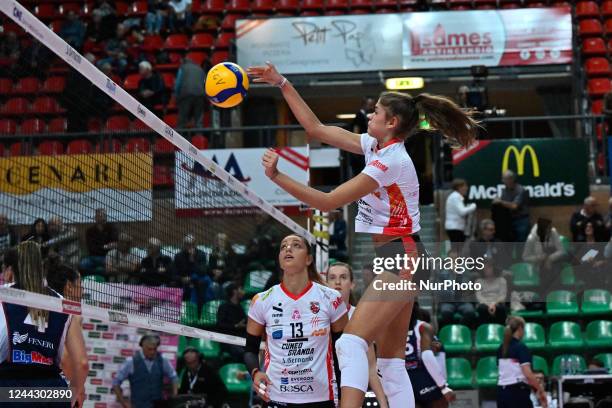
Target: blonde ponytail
x=513, y=323
x=31, y=277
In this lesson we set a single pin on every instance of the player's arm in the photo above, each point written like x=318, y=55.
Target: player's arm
x=430, y=362
x=346, y=193
x=332, y=135
x=261, y=382
x=75, y=345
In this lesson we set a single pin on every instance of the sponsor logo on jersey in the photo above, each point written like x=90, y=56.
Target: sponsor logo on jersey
x=23, y=357
x=315, y=322
x=319, y=332
x=297, y=360
x=297, y=388
x=427, y=390
x=22, y=338
x=19, y=338
x=315, y=307
x=266, y=294
x=302, y=380
x=297, y=349
x=379, y=165
x=284, y=380
x=277, y=334
x=336, y=303
x=303, y=371
x=296, y=315
x=277, y=309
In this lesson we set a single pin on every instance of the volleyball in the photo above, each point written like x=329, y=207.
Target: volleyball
x=226, y=85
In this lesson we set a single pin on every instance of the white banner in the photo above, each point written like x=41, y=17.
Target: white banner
x=193, y=183
x=322, y=44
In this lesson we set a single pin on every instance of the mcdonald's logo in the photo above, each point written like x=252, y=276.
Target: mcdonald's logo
x=520, y=159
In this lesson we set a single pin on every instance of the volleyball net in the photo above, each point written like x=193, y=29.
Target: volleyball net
x=160, y=226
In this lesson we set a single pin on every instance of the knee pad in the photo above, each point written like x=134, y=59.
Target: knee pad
x=395, y=381
x=353, y=361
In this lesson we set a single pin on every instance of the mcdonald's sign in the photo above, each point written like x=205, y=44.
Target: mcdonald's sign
x=554, y=171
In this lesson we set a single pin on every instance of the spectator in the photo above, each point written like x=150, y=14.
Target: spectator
x=513, y=205
x=63, y=241
x=189, y=92
x=337, y=236
x=591, y=260
x=73, y=30
x=544, y=249
x=116, y=50
x=8, y=237
x=99, y=238
x=360, y=125
x=190, y=266
x=156, y=268
x=231, y=319
x=145, y=371
x=222, y=261
x=452, y=303
x=201, y=378
x=492, y=297
x=607, y=111
x=156, y=16
x=487, y=246
x=541, y=378
x=77, y=89
x=457, y=212
x=34, y=60
x=180, y=15
x=122, y=262
x=39, y=232
x=9, y=47
x=588, y=214
x=151, y=85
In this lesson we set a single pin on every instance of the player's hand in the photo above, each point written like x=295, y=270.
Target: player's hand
x=270, y=161
x=542, y=398
x=78, y=398
x=261, y=385
x=266, y=74
x=450, y=396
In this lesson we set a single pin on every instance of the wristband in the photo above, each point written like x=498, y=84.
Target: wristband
x=445, y=390
x=282, y=83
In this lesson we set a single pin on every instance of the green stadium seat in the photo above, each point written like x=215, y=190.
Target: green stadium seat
x=561, y=303
x=599, y=334
x=530, y=314
x=456, y=338
x=556, y=366
x=189, y=314
x=596, y=301
x=540, y=364
x=95, y=278
x=568, y=278
x=606, y=359
x=487, y=372
x=255, y=282
x=183, y=343
x=565, y=242
x=534, y=337
x=524, y=274
x=208, y=348
x=489, y=337
x=209, y=313
x=229, y=377
x=459, y=372
x=565, y=335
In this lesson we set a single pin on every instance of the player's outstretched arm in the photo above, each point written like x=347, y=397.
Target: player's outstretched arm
x=331, y=135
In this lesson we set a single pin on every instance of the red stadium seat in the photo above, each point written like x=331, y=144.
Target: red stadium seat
x=20, y=149
x=55, y=84
x=121, y=8
x=508, y=6
x=459, y=7
x=562, y=4
x=287, y=5
x=139, y=125
x=590, y=27
x=608, y=27
x=213, y=6
x=15, y=106
x=6, y=86
x=94, y=125
x=31, y=126
x=162, y=146
x=310, y=13
x=337, y=5
x=168, y=80
x=138, y=145
x=138, y=9
x=363, y=11
x=152, y=43
x=45, y=105
x=118, y=123
x=171, y=120
x=606, y=8
x=26, y=86
x=536, y=5
x=56, y=26
x=593, y=46
x=201, y=41
x=200, y=142
x=50, y=148
x=263, y=6
x=224, y=40
x=229, y=21
x=597, y=66
x=176, y=42
x=173, y=65
x=598, y=86
x=316, y=5
x=386, y=4
x=219, y=56
x=162, y=176
x=601, y=130
x=361, y=4
x=197, y=57
x=455, y=3
x=238, y=6
x=7, y=127
x=45, y=11
x=79, y=146
x=586, y=9
x=109, y=146
x=597, y=106
x=57, y=125
x=335, y=12
x=131, y=82
x=66, y=7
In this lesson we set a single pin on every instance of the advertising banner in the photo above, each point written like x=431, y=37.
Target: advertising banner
x=74, y=186
x=194, y=184
x=452, y=39
x=554, y=171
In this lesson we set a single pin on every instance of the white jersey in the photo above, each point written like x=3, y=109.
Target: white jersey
x=298, y=355
x=393, y=209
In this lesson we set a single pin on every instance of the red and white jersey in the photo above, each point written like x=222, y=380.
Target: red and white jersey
x=298, y=355
x=393, y=209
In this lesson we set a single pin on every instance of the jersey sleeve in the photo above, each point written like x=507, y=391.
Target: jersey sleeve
x=338, y=307
x=256, y=311
x=366, y=144
x=524, y=356
x=384, y=170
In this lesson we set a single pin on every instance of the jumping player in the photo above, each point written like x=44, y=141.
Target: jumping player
x=298, y=317
x=426, y=375
x=388, y=194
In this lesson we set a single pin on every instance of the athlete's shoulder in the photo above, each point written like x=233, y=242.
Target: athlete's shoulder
x=326, y=291
x=265, y=296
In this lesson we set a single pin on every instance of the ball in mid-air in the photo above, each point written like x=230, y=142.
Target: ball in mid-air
x=226, y=85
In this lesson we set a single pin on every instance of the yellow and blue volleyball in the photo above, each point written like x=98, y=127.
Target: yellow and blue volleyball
x=226, y=85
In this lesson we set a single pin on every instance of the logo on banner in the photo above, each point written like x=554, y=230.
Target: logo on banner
x=111, y=86
x=71, y=307
x=168, y=131
x=140, y=111
x=17, y=13
x=72, y=54
x=232, y=167
x=118, y=317
x=519, y=156
x=441, y=42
